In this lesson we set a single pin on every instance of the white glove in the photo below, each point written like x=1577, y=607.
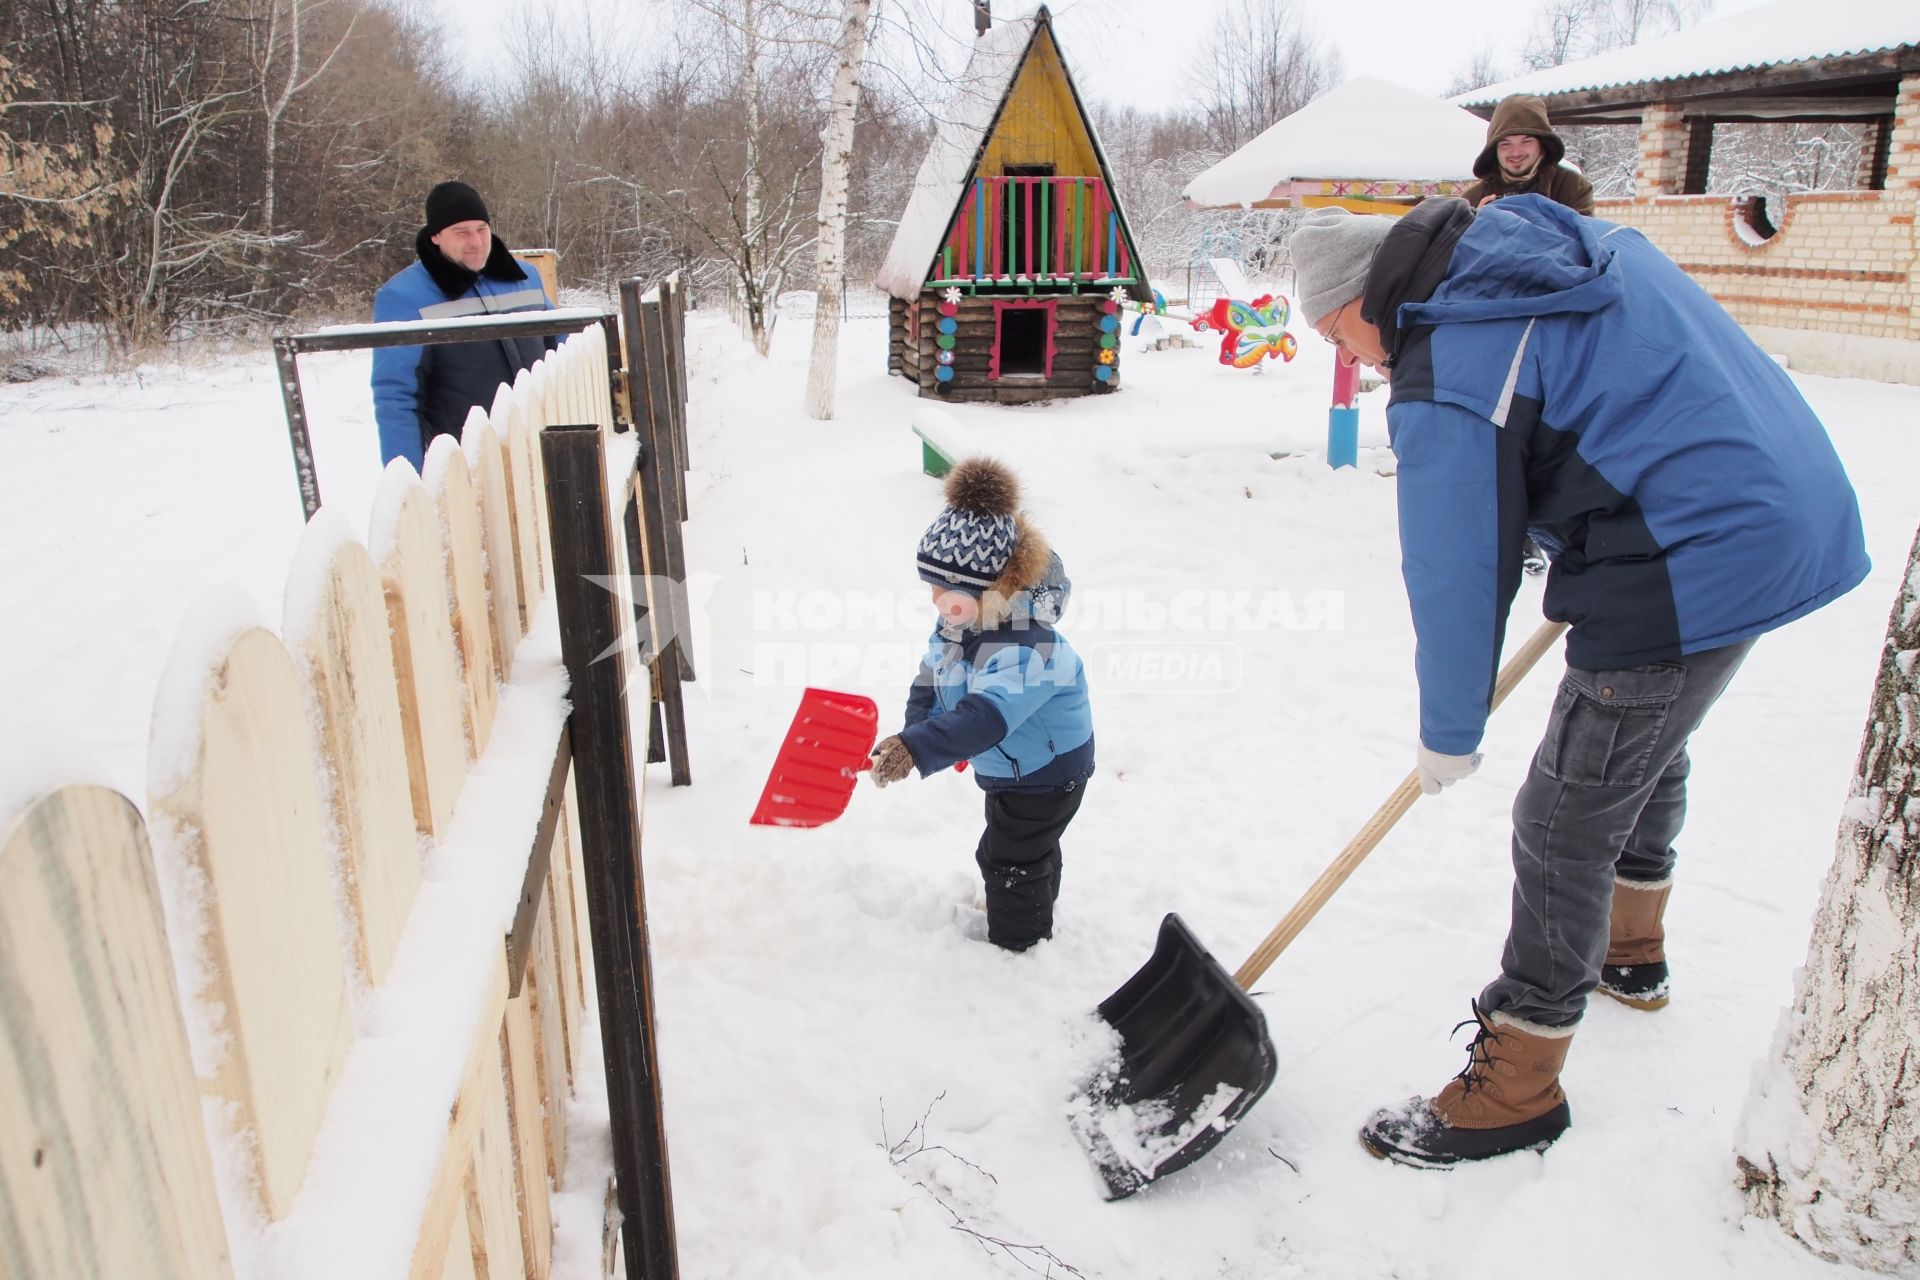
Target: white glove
x=1438, y=771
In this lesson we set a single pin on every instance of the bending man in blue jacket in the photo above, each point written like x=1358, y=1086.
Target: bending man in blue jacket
x=464, y=270
x=1557, y=375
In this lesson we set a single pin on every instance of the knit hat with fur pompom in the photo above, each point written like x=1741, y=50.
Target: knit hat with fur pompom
x=970, y=541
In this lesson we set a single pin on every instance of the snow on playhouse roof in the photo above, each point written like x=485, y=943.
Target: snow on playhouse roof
x=965, y=121
x=1785, y=31
x=1367, y=128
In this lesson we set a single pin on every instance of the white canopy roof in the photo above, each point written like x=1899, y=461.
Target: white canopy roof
x=1785, y=31
x=1366, y=129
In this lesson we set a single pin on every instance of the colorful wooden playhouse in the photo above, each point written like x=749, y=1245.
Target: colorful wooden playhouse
x=1009, y=263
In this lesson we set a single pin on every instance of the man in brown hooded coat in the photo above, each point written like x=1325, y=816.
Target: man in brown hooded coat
x=1522, y=157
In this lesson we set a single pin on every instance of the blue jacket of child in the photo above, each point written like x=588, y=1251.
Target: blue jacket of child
x=1010, y=699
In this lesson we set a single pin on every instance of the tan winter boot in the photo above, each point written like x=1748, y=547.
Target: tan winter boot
x=1507, y=1098
x=1635, y=972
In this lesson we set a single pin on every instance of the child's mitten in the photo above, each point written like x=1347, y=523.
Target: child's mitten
x=891, y=761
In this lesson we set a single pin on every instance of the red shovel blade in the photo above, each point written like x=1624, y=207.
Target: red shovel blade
x=820, y=760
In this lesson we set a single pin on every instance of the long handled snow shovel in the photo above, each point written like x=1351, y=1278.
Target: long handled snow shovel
x=1194, y=1051
x=820, y=760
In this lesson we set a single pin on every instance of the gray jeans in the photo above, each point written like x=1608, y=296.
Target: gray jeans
x=1606, y=796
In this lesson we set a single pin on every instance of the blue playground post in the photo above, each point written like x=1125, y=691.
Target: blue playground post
x=1343, y=418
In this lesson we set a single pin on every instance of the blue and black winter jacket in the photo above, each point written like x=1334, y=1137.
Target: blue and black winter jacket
x=1010, y=699
x=1559, y=376
x=423, y=392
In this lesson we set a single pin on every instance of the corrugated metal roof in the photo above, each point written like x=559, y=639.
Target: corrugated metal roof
x=1782, y=32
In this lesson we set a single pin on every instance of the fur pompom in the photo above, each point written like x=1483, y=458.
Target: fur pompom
x=982, y=487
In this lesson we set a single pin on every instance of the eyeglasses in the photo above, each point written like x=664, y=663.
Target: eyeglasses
x=1326, y=328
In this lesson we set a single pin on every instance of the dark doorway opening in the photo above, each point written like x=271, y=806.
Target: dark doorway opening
x=1023, y=342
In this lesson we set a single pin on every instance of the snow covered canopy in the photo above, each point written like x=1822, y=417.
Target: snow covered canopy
x=1790, y=43
x=966, y=125
x=1369, y=137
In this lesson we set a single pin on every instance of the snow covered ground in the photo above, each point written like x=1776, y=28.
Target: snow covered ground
x=856, y=1086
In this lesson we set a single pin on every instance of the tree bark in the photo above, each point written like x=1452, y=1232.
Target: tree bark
x=1830, y=1141
x=836, y=167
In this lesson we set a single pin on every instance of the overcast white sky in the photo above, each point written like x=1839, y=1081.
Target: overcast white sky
x=1143, y=51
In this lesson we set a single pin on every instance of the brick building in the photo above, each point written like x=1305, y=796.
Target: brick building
x=1829, y=279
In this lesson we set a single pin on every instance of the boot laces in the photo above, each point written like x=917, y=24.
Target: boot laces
x=1478, y=1060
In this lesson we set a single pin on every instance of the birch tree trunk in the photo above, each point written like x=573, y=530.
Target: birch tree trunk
x=754, y=246
x=836, y=167
x=1829, y=1144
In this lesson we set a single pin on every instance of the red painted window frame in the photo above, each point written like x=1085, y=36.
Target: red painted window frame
x=1003, y=305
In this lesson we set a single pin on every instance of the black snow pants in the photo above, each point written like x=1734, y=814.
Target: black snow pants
x=1019, y=857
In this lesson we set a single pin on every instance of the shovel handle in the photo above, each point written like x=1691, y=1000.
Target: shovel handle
x=1382, y=822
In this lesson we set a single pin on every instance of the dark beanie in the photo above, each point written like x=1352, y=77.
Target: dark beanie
x=452, y=202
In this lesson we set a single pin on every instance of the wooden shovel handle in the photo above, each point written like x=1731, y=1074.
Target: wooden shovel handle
x=1382, y=822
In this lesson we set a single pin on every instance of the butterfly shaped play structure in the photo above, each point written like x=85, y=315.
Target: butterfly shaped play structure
x=1252, y=331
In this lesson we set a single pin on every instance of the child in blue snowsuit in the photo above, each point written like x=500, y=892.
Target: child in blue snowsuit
x=1001, y=690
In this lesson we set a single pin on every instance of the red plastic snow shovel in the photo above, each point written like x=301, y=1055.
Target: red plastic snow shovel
x=1194, y=1050
x=820, y=760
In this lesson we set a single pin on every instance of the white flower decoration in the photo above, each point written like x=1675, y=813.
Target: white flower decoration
x=952, y=295
x=1119, y=296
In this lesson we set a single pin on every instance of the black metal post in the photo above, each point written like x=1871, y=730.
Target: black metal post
x=303, y=469
x=605, y=781
x=653, y=415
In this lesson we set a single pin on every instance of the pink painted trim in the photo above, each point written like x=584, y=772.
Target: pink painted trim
x=1003, y=305
x=996, y=210
x=1029, y=185
x=1061, y=202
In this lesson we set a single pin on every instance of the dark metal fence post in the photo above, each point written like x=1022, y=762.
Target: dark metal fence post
x=284, y=352
x=605, y=782
x=657, y=526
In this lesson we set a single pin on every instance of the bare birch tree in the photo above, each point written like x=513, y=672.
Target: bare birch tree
x=836, y=170
x=1830, y=1141
x=1265, y=61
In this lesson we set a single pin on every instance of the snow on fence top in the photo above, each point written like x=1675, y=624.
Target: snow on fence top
x=1367, y=128
x=1785, y=31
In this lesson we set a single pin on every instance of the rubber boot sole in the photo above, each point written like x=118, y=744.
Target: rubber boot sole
x=1467, y=1145
x=1635, y=1002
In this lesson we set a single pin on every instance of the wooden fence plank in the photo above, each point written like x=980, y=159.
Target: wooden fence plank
x=488, y=463
x=494, y=1201
x=526, y=1104
x=550, y=1022
x=566, y=930
x=518, y=437
x=340, y=637
x=451, y=486
x=246, y=819
x=104, y=1169
x=458, y=1264
x=432, y=706
x=446, y=1210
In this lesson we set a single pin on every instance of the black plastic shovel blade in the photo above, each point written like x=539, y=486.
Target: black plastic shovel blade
x=1194, y=1057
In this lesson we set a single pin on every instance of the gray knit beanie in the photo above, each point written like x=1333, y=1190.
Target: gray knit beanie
x=1332, y=252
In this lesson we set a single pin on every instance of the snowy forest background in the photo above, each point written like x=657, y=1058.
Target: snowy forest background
x=171, y=168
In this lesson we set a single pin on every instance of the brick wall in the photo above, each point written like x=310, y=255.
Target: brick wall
x=1843, y=263
x=1663, y=150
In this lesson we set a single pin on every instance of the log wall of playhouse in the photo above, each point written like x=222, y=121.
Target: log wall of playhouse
x=1020, y=297
x=207, y=1011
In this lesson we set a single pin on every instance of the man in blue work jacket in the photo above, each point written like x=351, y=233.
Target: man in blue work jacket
x=464, y=270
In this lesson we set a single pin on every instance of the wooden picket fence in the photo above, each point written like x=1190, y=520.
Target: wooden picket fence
x=202, y=1008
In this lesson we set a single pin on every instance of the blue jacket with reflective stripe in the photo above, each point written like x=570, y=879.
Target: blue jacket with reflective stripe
x=1567, y=379
x=422, y=392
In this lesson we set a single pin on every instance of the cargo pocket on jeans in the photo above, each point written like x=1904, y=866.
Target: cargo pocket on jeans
x=1605, y=724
